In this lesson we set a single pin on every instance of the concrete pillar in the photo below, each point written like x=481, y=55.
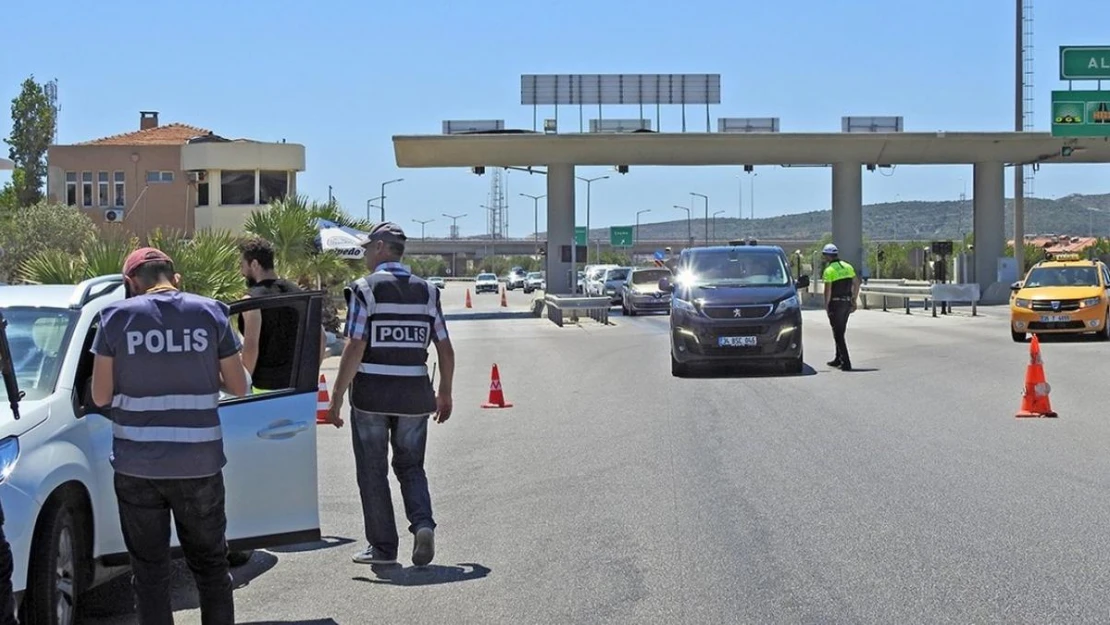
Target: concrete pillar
x=989, y=223
x=560, y=227
x=847, y=212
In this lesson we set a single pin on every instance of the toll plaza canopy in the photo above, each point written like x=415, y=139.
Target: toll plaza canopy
x=846, y=153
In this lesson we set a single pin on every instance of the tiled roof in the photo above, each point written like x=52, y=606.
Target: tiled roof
x=168, y=134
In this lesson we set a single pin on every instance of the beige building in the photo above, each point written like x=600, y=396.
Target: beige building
x=172, y=176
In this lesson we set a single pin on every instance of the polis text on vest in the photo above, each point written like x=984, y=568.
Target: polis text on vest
x=169, y=341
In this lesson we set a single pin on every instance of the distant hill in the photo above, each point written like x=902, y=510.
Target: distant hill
x=900, y=221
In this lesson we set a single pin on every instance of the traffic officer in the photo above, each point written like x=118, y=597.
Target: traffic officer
x=392, y=318
x=841, y=290
x=161, y=356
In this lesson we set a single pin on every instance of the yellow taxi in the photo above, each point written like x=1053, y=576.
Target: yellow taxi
x=1065, y=294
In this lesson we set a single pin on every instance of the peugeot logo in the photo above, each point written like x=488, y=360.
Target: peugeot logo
x=736, y=312
x=1055, y=305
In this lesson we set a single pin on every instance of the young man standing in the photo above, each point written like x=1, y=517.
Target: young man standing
x=161, y=356
x=841, y=290
x=392, y=317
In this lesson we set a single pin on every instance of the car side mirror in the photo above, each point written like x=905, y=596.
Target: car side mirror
x=665, y=285
x=802, y=283
x=1015, y=286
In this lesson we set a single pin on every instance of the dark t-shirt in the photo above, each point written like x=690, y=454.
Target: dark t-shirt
x=276, y=339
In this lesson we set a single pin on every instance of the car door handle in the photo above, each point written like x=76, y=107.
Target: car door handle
x=283, y=429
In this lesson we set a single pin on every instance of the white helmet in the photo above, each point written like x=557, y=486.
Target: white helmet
x=830, y=249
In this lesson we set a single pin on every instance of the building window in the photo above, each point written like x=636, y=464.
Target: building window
x=103, y=189
x=202, y=188
x=86, y=189
x=272, y=185
x=156, y=177
x=71, y=188
x=237, y=187
x=121, y=188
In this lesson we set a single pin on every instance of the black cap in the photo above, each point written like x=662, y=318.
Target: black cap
x=386, y=231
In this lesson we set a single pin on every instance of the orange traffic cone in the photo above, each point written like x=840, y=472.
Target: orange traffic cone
x=468, y=299
x=1034, y=399
x=322, y=401
x=504, y=302
x=496, y=395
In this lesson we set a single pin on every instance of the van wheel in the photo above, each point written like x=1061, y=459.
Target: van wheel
x=239, y=558
x=54, y=578
x=795, y=365
x=679, y=369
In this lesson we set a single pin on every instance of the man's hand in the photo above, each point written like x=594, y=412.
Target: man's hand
x=335, y=409
x=852, y=308
x=444, y=406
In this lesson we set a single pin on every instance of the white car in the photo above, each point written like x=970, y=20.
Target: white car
x=486, y=282
x=56, y=483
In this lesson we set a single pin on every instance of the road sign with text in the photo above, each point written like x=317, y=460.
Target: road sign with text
x=1084, y=62
x=580, y=235
x=620, y=236
x=1081, y=113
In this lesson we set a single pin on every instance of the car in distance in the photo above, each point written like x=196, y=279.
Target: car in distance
x=1062, y=295
x=640, y=292
x=437, y=282
x=734, y=304
x=61, y=514
x=612, y=281
x=515, y=278
x=534, y=282
x=486, y=283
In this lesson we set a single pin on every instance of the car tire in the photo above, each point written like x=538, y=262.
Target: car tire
x=54, y=576
x=239, y=558
x=1019, y=337
x=1104, y=335
x=679, y=369
x=795, y=366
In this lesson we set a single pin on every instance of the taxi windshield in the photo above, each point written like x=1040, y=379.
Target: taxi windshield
x=38, y=338
x=1061, y=276
x=734, y=268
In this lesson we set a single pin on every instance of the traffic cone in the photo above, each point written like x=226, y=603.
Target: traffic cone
x=496, y=395
x=322, y=401
x=1034, y=399
x=468, y=299
x=504, y=302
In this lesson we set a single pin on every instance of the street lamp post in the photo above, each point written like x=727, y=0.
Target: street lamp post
x=454, y=224
x=383, y=193
x=589, y=183
x=370, y=203
x=535, y=213
x=638, y=213
x=493, y=245
x=751, y=189
x=689, y=233
x=706, y=198
x=423, y=222
x=715, y=223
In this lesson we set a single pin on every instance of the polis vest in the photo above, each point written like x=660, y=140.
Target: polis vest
x=393, y=377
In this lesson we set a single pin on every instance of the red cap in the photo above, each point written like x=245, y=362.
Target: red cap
x=142, y=256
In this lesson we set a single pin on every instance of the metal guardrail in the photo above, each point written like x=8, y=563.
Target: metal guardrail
x=929, y=294
x=596, y=308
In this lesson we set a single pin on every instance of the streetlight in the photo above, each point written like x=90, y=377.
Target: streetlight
x=689, y=234
x=751, y=188
x=638, y=213
x=423, y=222
x=715, y=223
x=454, y=224
x=535, y=213
x=706, y=197
x=493, y=246
x=382, y=198
x=589, y=182
x=370, y=203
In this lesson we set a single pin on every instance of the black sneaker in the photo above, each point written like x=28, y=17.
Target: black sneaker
x=833, y=363
x=846, y=366
x=424, y=546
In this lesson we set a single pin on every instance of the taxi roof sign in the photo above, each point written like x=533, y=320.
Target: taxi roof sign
x=1065, y=257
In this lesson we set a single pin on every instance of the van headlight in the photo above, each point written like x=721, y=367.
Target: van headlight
x=787, y=304
x=9, y=454
x=681, y=304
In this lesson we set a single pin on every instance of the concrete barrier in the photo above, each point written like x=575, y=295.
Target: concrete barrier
x=596, y=308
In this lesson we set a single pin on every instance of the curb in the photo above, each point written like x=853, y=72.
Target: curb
x=477, y=316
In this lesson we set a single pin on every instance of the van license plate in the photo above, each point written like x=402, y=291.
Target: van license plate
x=1055, y=318
x=736, y=341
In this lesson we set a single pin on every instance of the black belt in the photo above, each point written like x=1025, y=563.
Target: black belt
x=840, y=299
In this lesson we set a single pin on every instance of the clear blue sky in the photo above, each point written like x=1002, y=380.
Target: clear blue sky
x=342, y=77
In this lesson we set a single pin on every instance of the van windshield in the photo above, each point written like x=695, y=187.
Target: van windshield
x=731, y=267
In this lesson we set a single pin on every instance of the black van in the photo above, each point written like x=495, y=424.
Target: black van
x=735, y=304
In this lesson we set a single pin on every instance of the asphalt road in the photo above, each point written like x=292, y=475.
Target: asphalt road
x=903, y=492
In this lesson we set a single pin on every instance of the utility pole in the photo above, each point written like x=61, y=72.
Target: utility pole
x=454, y=224
x=638, y=213
x=1019, y=126
x=423, y=222
x=706, y=198
x=535, y=213
x=382, y=197
x=689, y=233
x=370, y=204
x=589, y=183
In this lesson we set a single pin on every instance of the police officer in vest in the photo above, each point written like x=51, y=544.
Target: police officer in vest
x=392, y=318
x=161, y=357
x=841, y=290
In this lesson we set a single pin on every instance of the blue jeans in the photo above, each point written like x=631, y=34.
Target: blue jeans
x=373, y=435
x=198, y=512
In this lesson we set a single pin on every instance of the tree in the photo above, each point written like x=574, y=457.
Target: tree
x=9, y=197
x=40, y=227
x=32, y=132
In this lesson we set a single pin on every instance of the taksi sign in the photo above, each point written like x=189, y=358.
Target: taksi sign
x=1084, y=62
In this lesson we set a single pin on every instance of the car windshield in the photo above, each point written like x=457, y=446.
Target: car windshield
x=486, y=276
x=535, y=275
x=1061, y=276
x=616, y=274
x=38, y=339
x=733, y=268
x=651, y=276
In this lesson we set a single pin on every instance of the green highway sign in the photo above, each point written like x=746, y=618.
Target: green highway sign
x=1084, y=62
x=620, y=236
x=580, y=235
x=1081, y=113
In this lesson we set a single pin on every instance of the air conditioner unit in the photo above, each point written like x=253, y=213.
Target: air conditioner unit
x=113, y=215
x=192, y=176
